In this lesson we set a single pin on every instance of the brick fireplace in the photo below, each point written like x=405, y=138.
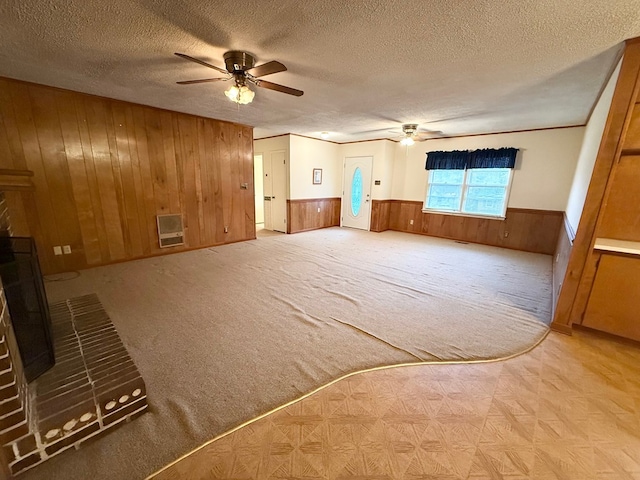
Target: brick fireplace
x=93, y=387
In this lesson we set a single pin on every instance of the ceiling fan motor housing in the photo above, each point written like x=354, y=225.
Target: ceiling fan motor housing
x=409, y=129
x=238, y=62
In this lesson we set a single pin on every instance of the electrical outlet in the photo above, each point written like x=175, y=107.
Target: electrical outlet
x=410, y=222
x=506, y=234
x=57, y=250
x=66, y=249
x=226, y=229
x=318, y=209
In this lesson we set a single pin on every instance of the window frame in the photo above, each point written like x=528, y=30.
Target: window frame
x=463, y=197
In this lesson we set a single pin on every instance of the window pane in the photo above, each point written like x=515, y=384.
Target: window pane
x=450, y=177
x=356, y=192
x=483, y=193
x=445, y=197
x=485, y=200
x=488, y=176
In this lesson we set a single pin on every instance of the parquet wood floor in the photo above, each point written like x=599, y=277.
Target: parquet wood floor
x=568, y=409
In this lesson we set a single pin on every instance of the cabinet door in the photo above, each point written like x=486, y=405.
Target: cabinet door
x=614, y=303
x=621, y=209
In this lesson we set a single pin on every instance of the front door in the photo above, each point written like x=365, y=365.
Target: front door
x=356, y=197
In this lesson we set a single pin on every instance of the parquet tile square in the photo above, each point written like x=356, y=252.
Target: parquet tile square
x=571, y=462
x=507, y=429
x=512, y=462
x=622, y=460
x=569, y=409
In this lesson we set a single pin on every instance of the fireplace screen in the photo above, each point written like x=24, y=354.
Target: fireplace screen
x=27, y=302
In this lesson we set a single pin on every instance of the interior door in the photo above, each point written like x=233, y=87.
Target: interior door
x=275, y=191
x=267, y=189
x=356, y=196
x=259, y=187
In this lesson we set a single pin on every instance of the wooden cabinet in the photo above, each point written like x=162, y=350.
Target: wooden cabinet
x=615, y=297
x=620, y=216
x=601, y=288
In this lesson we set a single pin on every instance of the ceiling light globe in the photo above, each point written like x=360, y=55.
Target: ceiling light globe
x=232, y=93
x=407, y=141
x=245, y=95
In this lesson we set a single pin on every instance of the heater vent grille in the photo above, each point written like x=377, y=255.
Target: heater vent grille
x=170, y=230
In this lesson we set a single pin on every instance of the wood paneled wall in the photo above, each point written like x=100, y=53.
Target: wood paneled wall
x=561, y=258
x=523, y=229
x=103, y=169
x=380, y=215
x=312, y=214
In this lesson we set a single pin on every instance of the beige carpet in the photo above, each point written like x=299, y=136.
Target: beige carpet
x=221, y=335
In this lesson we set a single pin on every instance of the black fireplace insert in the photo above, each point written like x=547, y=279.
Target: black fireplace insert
x=27, y=302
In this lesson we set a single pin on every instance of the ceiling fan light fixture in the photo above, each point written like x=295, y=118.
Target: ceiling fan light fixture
x=240, y=94
x=407, y=141
x=241, y=68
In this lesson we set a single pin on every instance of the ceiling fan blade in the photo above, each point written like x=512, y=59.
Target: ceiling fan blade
x=267, y=69
x=187, y=57
x=204, y=80
x=279, y=88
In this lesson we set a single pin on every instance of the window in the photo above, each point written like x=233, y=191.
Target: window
x=470, y=182
x=476, y=191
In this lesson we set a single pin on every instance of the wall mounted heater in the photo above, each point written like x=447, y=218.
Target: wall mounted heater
x=170, y=230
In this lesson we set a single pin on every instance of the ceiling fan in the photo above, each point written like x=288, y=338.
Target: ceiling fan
x=410, y=134
x=240, y=67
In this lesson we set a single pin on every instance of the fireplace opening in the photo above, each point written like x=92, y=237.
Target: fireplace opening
x=27, y=302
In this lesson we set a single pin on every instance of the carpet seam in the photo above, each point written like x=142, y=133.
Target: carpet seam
x=332, y=382
x=358, y=329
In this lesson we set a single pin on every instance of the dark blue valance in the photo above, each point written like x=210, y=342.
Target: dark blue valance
x=493, y=158
x=463, y=159
x=456, y=160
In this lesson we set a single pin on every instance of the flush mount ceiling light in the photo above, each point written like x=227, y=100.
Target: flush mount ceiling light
x=240, y=68
x=324, y=135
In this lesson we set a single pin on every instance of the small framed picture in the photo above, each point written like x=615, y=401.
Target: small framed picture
x=317, y=176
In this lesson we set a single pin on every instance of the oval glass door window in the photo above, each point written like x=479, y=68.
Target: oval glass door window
x=356, y=192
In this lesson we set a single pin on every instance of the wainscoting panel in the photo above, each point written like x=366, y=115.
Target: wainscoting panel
x=561, y=258
x=523, y=229
x=312, y=214
x=380, y=215
x=103, y=169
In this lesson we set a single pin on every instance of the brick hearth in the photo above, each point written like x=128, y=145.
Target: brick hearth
x=93, y=387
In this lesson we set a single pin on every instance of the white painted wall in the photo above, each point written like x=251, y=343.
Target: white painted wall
x=383, y=152
x=307, y=154
x=589, y=151
x=542, y=177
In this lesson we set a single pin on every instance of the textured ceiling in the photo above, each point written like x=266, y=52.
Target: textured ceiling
x=454, y=66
